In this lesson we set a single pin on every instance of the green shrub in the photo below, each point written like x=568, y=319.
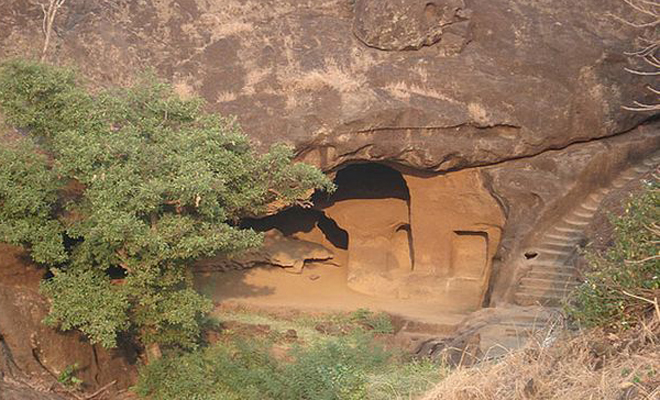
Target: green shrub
x=333, y=369
x=379, y=322
x=628, y=272
x=68, y=377
x=135, y=184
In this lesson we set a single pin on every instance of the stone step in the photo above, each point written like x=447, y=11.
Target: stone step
x=555, y=292
x=574, y=238
x=565, y=281
x=576, y=221
x=579, y=215
x=567, y=229
x=545, y=298
x=552, y=272
x=596, y=197
x=557, y=245
x=583, y=214
x=539, y=274
x=550, y=264
x=553, y=258
x=555, y=252
x=590, y=205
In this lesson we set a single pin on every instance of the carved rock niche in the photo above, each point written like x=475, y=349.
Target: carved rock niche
x=415, y=237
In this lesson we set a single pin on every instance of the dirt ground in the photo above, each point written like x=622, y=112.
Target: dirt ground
x=319, y=288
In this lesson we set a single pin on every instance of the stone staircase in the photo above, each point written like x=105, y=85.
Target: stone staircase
x=551, y=277
x=552, y=274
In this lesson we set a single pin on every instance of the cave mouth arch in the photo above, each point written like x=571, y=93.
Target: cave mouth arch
x=355, y=182
x=365, y=181
x=295, y=221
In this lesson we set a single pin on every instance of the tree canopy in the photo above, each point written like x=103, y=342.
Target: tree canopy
x=119, y=191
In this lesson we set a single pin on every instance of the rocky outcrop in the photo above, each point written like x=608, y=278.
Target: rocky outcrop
x=538, y=194
x=15, y=391
x=277, y=250
x=525, y=77
x=409, y=25
x=499, y=116
x=549, y=272
x=33, y=352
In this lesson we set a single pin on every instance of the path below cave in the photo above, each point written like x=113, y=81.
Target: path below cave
x=320, y=287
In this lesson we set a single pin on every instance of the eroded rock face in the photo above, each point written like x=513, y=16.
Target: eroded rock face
x=536, y=75
x=277, y=250
x=456, y=225
x=513, y=99
x=378, y=247
x=30, y=350
x=409, y=25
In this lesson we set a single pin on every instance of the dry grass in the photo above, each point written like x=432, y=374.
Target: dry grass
x=403, y=91
x=590, y=366
x=331, y=76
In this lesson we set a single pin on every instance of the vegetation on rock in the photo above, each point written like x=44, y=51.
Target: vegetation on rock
x=351, y=366
x=617, y=357
x=624, y=283
x=119, y=191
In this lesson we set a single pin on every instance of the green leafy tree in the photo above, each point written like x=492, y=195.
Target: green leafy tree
x=118, y=192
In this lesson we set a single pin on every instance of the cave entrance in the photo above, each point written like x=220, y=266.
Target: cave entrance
x=305, y=224
x=366, y=223
x=401, y=239
x=372, y=203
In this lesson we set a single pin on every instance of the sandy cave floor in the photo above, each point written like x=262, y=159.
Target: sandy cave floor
x=320, y=287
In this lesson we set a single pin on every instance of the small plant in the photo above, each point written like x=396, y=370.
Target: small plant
x=378, y=322
x=68, y=377
x=406, y=381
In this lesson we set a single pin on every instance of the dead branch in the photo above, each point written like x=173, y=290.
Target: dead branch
x=653, y=302
x=648, y=16
x=47, y=23
x=643, y=260
x=101, y=390
x=642, y=73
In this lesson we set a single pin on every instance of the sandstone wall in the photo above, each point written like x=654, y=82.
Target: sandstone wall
x=33, y=351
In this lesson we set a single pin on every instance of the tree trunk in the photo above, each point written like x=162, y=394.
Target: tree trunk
x=152, y=352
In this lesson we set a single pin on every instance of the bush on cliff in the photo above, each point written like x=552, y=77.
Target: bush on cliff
x=624, y=281
x=119, y=191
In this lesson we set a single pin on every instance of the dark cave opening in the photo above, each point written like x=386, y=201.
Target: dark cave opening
x=297, y=219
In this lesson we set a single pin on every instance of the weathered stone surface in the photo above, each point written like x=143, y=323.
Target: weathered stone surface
x=30, y=350
x=521, y=94
x=456, y=228
x=536, y=192
x=535, y=75
x=378, y=253
x=409, y=25
x=277, y=250
x=15, y=391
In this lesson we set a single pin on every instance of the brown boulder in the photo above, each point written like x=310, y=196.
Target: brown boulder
x=32, y=351
x=534, y=76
